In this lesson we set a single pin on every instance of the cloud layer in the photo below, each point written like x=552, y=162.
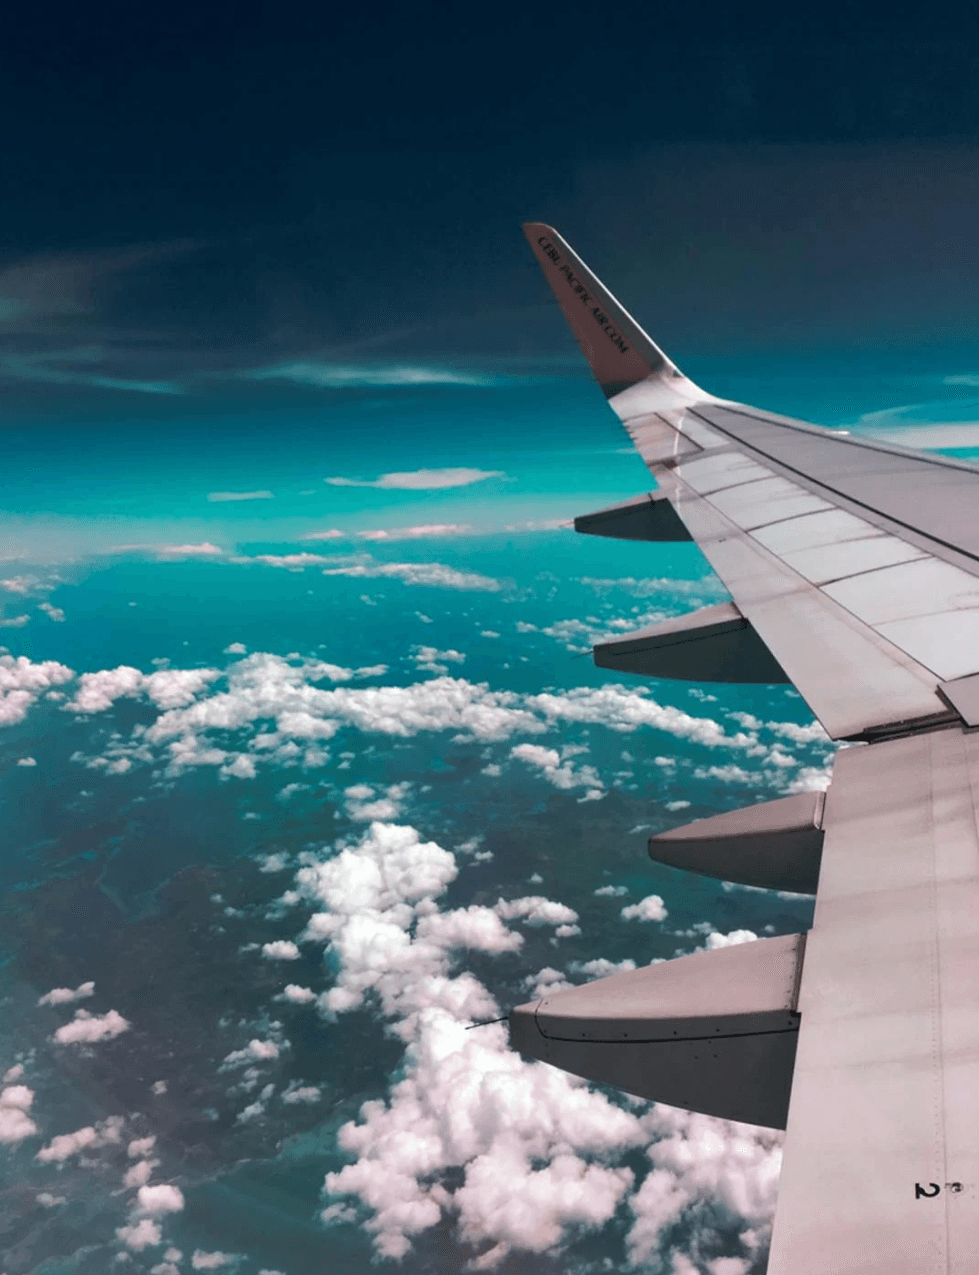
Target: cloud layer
x=525, y=1157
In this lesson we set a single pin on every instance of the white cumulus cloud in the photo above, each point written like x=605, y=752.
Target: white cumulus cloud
x=548, y=762
x=15, y=1123
x=91, y=1137
x=86, y=1029
x=280, y=950
x=65, y=995
x=433, y=660
x=139, y=1235
x=155, y=1200
x=650, y=908
x=21, y=681
x=296, y=995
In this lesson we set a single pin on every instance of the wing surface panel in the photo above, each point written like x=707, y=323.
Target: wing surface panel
x=879, y=478
x=881, y=1171
x=854, y=679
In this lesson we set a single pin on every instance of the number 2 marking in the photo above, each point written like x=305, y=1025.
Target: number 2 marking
x=929, y=1192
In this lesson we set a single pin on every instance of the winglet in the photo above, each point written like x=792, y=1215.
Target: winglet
x=619, y=352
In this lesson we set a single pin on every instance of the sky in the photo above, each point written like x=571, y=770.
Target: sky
x=304, y=766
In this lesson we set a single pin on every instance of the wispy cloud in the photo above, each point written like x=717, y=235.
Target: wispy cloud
x=351, y=376
x=240, y=495
x=928, y=425
x=51, y=368
x=421, y=479
x=332, y=534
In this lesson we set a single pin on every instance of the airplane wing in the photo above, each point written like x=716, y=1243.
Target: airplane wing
x=853, y=570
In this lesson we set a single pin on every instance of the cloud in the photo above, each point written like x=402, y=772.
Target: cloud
x=18, y=584
x=306, y=1094
x=202, y=1261
x=536, y=910
x=219, y=496
x=167, y=688
x=65, y=995
x=285, y=718
x=21, y=681
x=280, y=950
x=648, y=909
x=26, y=761
x=715, y=940
x=509, y=1115
x=235, y=648
x=435, y=661
x=702, y=590
x=296, y=995
x=86, y=1029
x=139, y=1235
x=203, y=550
x=171, y=553
x=91, y=1137
x=288, y=561
x=531, y=1155
x=432, y=574
x=62, y=367
x=332, y=534
x=15, y=1124
x=541, y=524
x=363, y=804
x=139, y=1173
x=695, y=1159
x=422, y=479
x=349, y=376
x=156, y=1200
x=255, y=1051
x=52, y=612
x=548, y=762
x=140, y=1147
x=421, y=532
x=15, y=622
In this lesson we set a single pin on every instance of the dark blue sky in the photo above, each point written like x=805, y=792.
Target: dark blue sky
x=204, y=191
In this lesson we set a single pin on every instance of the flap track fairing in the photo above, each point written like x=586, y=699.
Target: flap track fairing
x=713, y=1032
x=777, y=845
x=714, y=644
